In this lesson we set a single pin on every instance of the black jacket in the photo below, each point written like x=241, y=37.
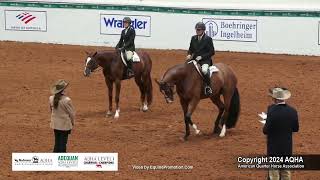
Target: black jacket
x=127, y=39
x=281, y=121
x=204, y=48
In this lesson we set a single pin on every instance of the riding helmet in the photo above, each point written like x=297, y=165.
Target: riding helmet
x=127, y=19
x=200, y=25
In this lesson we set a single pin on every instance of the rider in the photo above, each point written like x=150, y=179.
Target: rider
x=126, y=43
x=201, y=48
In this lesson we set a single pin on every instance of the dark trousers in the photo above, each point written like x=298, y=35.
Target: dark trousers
x=61, y=139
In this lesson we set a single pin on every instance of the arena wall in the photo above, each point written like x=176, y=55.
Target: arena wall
x=166, y=26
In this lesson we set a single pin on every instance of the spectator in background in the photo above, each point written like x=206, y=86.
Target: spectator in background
x=281, y=122
x=62, y=115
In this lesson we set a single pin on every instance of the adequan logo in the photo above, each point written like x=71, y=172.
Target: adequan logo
x=68, y=161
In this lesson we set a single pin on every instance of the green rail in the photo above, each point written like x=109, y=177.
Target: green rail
x=221, y=12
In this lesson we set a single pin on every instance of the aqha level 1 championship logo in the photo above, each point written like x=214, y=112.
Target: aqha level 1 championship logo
x=68, y=161
x=99, y=161
x=113, y=24
x=18, y=20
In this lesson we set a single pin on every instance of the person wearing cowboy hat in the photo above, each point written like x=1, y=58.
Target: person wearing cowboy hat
x=281, y=122
x=62, y=115
x=126, y=43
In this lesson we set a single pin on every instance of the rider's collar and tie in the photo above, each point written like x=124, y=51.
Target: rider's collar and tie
x=200, y=37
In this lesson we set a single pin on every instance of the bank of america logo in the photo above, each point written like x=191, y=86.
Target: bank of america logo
x=211, y=28
x=25, y=17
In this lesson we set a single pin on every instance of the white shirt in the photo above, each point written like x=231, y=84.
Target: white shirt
x=200, y=37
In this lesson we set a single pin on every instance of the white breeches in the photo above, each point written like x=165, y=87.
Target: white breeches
x=205, y=68
x=129, y=55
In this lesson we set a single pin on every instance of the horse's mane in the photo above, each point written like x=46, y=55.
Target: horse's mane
x=172, y=70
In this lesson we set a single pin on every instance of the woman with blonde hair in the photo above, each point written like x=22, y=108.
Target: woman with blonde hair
x=62, y=115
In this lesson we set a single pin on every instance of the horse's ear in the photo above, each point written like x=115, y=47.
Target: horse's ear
x=95, y=54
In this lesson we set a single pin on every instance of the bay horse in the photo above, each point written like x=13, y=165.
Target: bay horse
x=190, y=88
x=114, y=72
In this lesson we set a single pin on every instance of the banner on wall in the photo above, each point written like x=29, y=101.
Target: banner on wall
x=64, y=161
x=112, y=24
x=319, y=33
x=231, y=29
x=20, y=20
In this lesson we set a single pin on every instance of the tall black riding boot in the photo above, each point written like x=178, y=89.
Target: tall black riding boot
x=130, y=70
x=207, y=90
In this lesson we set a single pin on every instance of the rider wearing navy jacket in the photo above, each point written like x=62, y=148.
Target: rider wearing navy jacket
x=201, y=48
x=126, y=43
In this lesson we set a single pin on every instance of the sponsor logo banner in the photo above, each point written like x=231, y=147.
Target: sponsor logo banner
x=231, y=29
x=319, y=33
x=18, y=20
x=64, y=161
x=113, y=24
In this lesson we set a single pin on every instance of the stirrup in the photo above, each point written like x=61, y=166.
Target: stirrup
x=130, y=72
x=208, y=90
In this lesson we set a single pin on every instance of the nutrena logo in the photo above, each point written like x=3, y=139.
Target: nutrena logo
x=113, y=24
x=118, y=23
x=25, y=17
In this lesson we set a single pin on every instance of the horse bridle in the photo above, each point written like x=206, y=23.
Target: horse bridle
x=164, y=87
x=95, y=64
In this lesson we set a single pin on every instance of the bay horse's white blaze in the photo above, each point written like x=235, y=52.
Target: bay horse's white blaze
x=223, y=131
x=196, y=128
x=116, y=116
x=88, y=60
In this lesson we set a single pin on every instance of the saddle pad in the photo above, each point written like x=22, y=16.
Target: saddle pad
x=212, y=69
x=135, y=58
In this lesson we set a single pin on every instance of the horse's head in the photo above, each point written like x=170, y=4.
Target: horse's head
x=91, y=64
x=167, y=90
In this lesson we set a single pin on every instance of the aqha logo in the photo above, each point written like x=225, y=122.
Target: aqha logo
x=25, y=17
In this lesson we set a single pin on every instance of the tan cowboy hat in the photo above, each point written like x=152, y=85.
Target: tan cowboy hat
x=280, y=93
x=59, y=86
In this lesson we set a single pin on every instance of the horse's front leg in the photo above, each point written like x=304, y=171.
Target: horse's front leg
x=110, y=89
x=187, y=119
x=117, y=98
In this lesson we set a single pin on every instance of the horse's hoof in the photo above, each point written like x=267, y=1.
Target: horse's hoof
x=216, y=131
x=109, y=113
x=223, y=131
x=198, y=132
x=144, y=108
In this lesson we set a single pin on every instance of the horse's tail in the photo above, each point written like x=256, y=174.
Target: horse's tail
x=234, y=110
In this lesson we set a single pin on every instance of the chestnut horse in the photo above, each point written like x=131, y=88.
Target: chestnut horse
x=114, y=71
x=190, y=88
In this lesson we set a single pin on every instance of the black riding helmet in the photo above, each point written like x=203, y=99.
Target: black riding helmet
x=127, y=19
x=200, y=25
